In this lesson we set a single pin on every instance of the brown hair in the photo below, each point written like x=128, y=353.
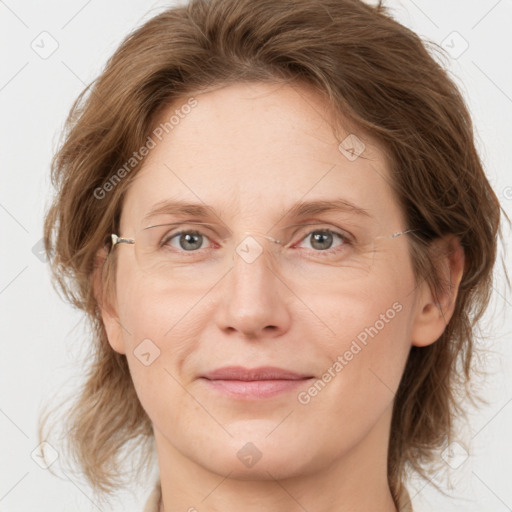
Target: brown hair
x=376, y=74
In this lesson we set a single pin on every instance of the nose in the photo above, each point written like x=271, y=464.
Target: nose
x=254, y=296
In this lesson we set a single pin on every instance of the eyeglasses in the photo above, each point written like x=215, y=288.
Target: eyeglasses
x=200, y=253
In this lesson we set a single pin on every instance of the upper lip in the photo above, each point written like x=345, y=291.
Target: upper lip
x=250, y=374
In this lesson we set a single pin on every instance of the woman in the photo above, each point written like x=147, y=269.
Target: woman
x=267, y=211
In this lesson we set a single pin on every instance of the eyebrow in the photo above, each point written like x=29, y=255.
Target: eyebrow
x=299, y=209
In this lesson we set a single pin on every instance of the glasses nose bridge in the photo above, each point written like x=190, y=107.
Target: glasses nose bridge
x=253, y=233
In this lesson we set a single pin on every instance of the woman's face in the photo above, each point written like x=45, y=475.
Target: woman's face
x=252, y=356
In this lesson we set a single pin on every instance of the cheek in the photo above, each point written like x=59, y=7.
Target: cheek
x=152, y=309
x=371, y=326
x=160, y=328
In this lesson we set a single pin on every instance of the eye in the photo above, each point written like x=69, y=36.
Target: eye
x=186, y=240
x=321, y=240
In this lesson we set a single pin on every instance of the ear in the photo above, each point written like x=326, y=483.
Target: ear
x=434, y=312
x=107, y=304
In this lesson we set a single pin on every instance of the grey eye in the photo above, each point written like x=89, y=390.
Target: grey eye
x=188, y=240
x=323, y=239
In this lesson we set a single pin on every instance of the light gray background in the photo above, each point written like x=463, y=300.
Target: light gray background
x=42, y=338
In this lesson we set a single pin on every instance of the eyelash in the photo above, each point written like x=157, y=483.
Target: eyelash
x=324, y=253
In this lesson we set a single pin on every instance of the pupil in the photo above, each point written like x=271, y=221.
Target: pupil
x=320, y=238
x=188, y=243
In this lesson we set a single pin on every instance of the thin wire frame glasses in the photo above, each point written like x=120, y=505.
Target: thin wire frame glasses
x=174, y=253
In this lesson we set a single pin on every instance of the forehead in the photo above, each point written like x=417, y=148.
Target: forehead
x=249, y=150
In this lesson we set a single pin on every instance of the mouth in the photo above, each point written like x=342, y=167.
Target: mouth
x=254, y=383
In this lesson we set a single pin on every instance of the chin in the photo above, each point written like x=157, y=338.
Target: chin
x=277, y=466
x=262, y=457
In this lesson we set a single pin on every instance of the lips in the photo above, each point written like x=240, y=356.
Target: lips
x=251, y=374
x=253, y=383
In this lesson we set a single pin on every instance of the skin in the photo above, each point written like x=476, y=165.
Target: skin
x=244, y=146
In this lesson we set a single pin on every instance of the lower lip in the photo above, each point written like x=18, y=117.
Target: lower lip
x=255, y=389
